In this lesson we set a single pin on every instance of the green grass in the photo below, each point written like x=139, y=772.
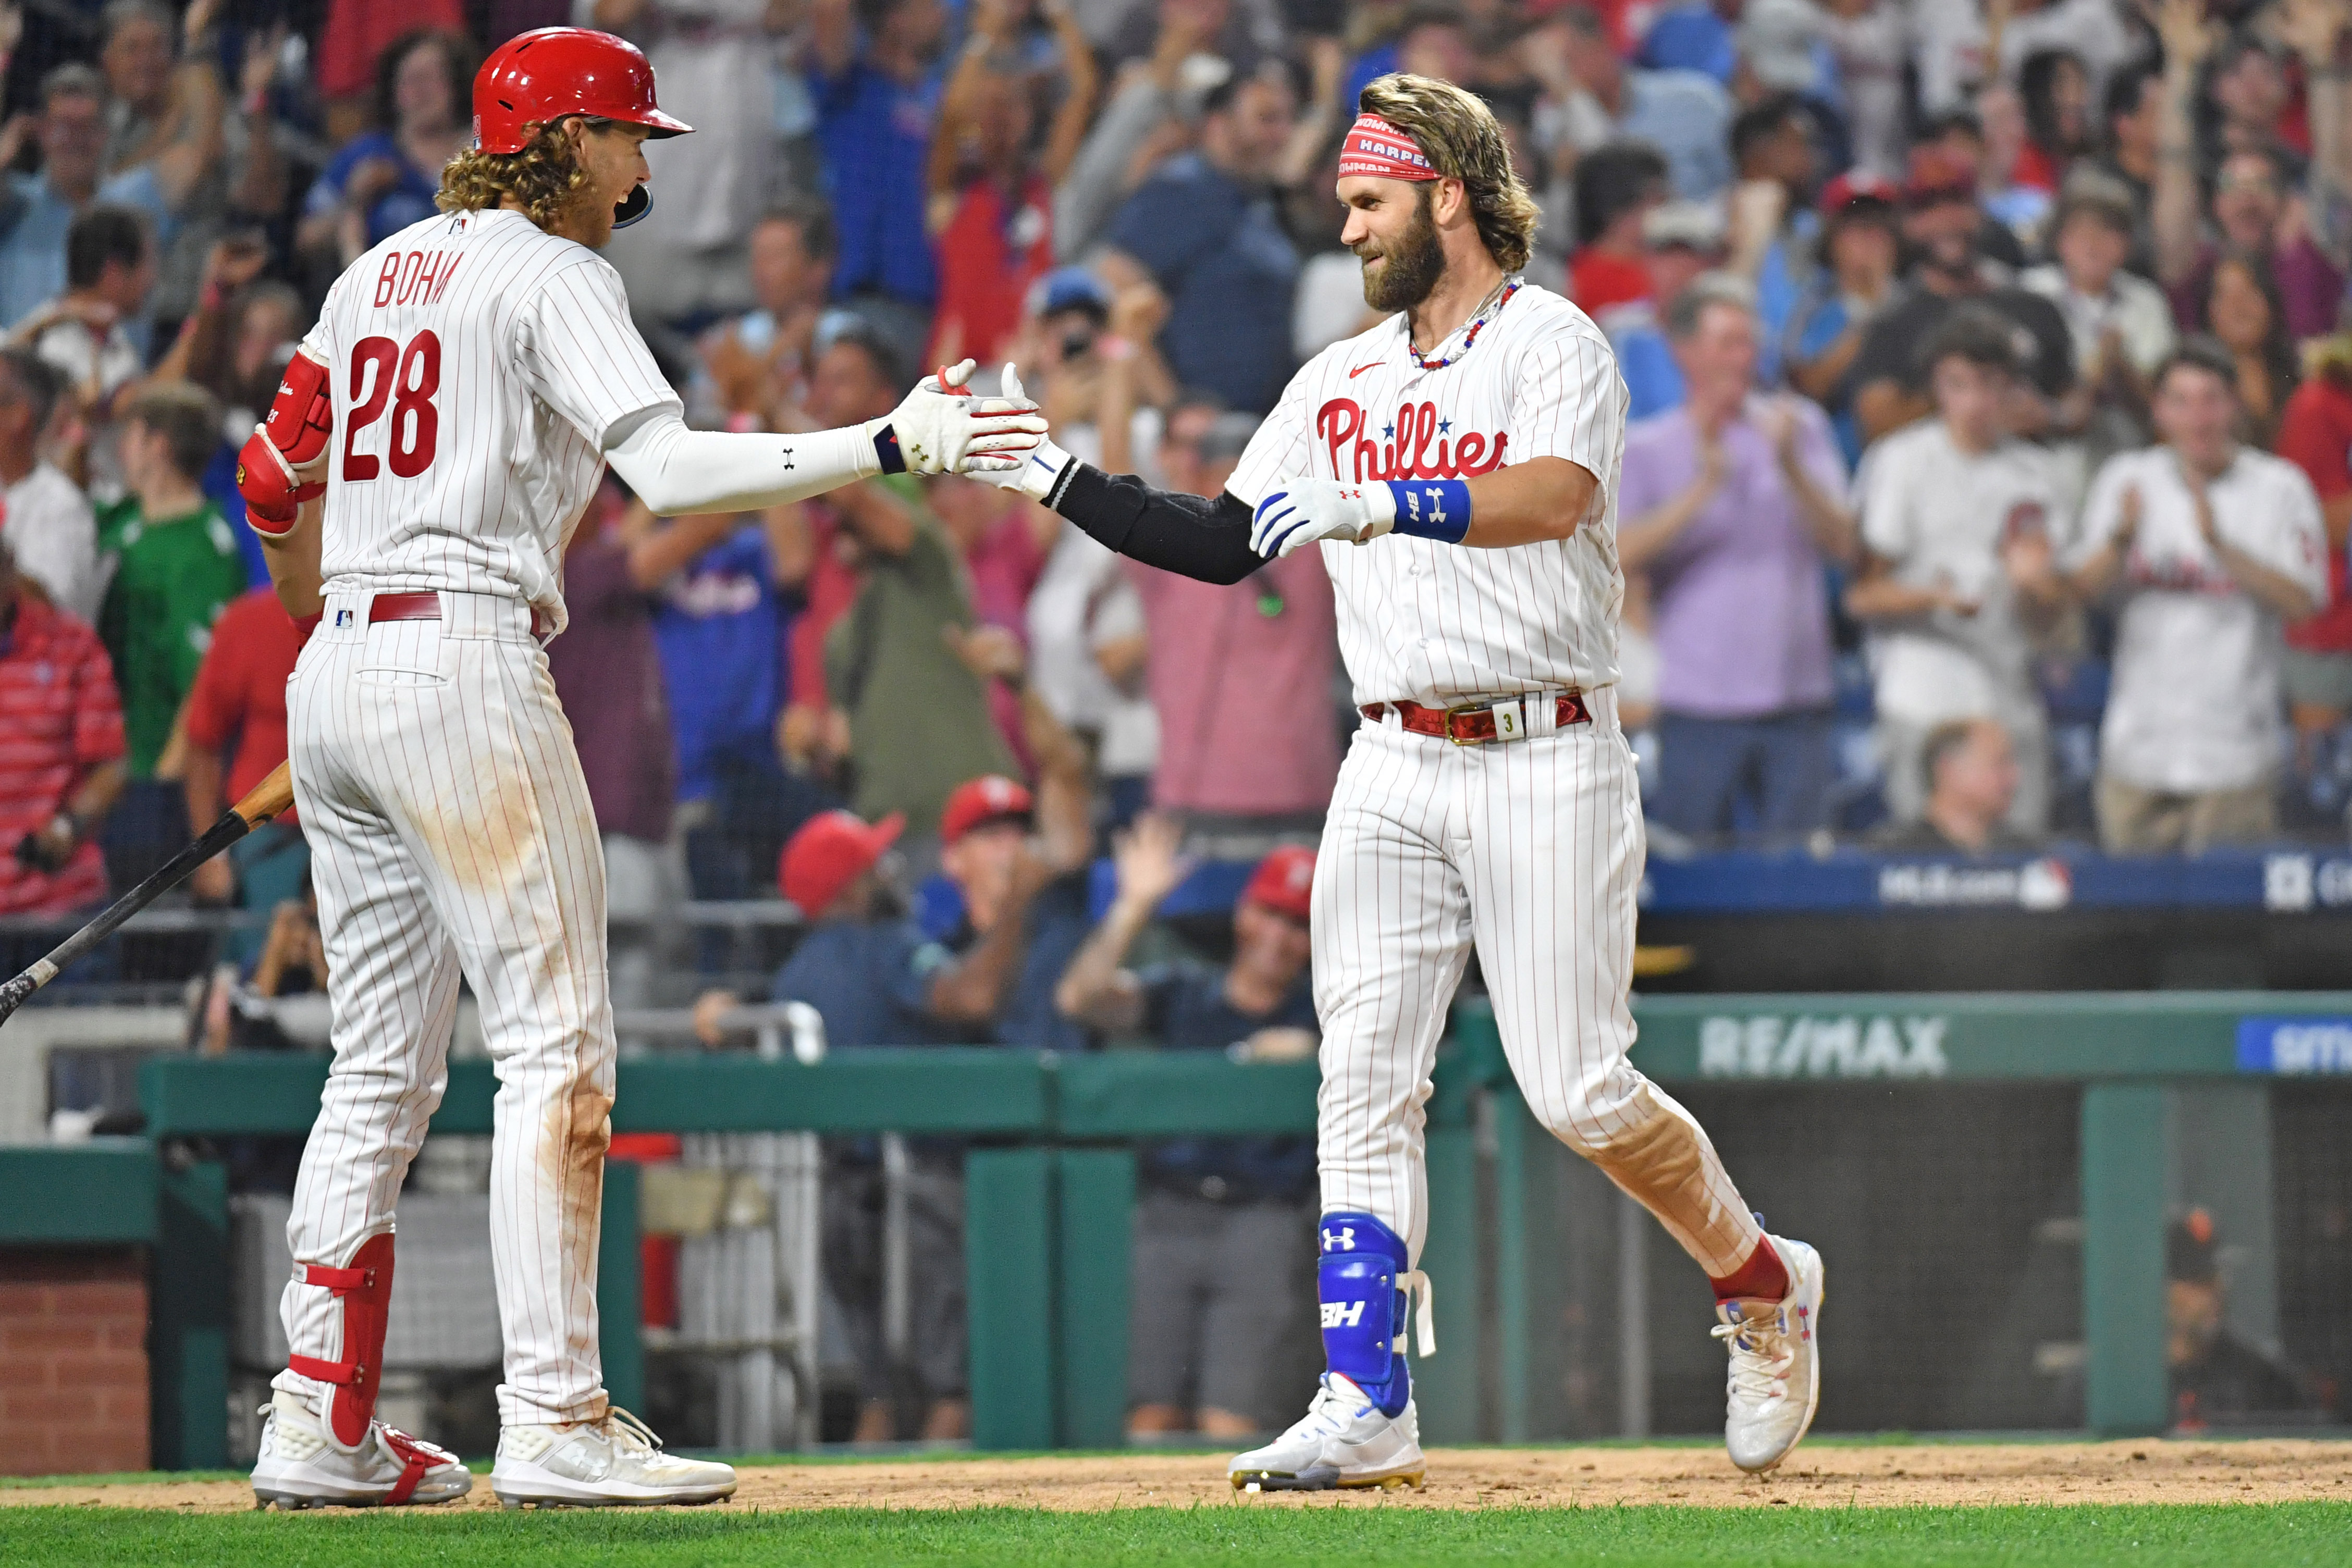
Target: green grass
x=2247, y=1536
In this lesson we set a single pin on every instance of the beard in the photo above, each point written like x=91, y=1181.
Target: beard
x=1413, y=264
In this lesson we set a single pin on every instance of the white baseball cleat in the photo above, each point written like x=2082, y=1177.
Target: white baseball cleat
x=613, y=1463
x=299, y=1468
x=1775, y=1381
x=1343, y=1441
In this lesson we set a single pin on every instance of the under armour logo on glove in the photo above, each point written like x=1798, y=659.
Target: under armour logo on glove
x=1300, y=512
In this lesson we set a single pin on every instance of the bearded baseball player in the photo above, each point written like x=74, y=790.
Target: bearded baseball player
x=428, y=456
x=1457, y=465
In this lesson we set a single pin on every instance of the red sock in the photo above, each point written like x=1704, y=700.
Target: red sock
x=1760, y=1279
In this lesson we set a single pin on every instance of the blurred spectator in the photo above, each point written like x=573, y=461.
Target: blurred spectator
x=822, y=545
x=1734, y=503
x=1003, y=541
x=1142, y=118
x=379, y=183
x=716, y=63
x=1681, y=240
x=1865, y=42
x=60, y=758
x=2054, y=92
x=1206, y=231
x=1772, y=224
x=1219, y=1220
x=2245, y=94
x=992, y=179
x=1693, y=36
x=84, y=332
x=1861, y=243
x=2120, y=325
x=1592, y=97
x=177, y=564
x=1955, y=144
x=2240, y=308
x=50, y=530
x=2018, y=207
x=1970, y=767
x=2254, y=206
x=351, y=45
x=2133, y=115
x=2213, y=546
x=873, y=67
x=1617, y=187
x=2216, y=1376
x=2316, y=435
x=1239, y=675
x=997, y=839
x=1959, y=579
x=1090, y=360
x=749, y=370
x=236, y=731
x=1944, y=224
x=719, y=624
x=196, y=163
x=1964, y=44
x=39, y=209
x=608, y=675
x=887, y=657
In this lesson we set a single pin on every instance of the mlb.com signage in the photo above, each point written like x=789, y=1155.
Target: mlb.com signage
x=1806, y=1045
x=2296, y=1047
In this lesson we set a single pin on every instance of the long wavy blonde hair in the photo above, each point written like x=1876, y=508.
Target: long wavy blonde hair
x=544, y=177
x=1459, y=133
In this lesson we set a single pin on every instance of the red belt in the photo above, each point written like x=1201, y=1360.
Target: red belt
x=1474, y=724
x=427, y=607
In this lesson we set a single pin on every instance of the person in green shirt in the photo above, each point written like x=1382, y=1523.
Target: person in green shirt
x=174, y=561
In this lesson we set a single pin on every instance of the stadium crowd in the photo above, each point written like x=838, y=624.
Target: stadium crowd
x=1989, y=482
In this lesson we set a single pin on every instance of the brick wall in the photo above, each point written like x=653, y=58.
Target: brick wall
x=73, y=1361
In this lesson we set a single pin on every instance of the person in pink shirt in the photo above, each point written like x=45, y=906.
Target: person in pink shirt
x=1241, y=674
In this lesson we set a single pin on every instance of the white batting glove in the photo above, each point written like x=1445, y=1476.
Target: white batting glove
x=941, y=428
x=1041, y=468
x=1298, y=512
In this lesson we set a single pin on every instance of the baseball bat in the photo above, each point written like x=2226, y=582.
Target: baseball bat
x=267, y=798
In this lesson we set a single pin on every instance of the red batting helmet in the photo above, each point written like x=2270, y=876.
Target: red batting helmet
x=550, y=72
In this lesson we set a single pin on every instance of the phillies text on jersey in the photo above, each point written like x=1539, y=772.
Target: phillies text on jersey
x=1427, y=622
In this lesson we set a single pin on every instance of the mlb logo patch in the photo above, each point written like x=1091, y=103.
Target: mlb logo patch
x=343, y=619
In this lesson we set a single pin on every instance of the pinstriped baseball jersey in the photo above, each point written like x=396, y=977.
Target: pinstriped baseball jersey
x=1427, y=622
x=477, y=363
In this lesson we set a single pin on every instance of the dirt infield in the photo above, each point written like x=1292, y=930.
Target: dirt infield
x=1822, y=1475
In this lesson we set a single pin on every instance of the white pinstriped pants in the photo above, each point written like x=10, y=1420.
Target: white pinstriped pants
x=1532, y=851
x=451, y=833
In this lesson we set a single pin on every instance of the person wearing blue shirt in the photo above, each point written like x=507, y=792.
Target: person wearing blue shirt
x=1205, y=228
x=876, y=78
x=384, y=179
x=1859, y=246
x=1773, y=145
x=1691, y=37
x=36, y=210
x=1220, y=1221
x=1014, y=896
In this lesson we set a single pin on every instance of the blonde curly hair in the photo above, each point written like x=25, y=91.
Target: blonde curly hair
x=544, y=177
x=1464, y=142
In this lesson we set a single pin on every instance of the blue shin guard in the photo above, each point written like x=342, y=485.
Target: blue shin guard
x=1360, y=1282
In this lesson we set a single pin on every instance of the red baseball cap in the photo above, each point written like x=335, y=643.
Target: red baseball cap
x=1284, y=881
x=1857, y=187
x=830, y=852
x=977, y=802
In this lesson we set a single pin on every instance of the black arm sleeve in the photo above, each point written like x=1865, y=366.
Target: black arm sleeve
x=1189, y=534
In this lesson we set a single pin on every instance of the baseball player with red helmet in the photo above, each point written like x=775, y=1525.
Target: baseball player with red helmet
x=434, y=444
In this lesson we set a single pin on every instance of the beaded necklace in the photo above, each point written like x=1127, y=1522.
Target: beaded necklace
x=1486, y=313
